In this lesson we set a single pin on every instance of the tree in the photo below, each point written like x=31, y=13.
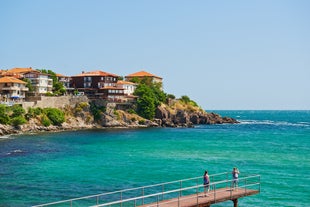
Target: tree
x=28, y=85
x=146, y=101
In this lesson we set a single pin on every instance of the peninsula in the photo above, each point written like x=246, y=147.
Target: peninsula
x=41, y=100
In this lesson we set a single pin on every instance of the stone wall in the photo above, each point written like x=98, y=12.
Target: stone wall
x=55, y=102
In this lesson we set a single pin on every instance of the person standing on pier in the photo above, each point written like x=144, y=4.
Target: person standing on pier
x=235, y=174
x=206, y=183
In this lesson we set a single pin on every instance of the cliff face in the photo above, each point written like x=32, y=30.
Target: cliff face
x=168, y=116
x=175, y=114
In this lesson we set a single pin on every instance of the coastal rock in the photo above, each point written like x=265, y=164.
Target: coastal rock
x=188, y=118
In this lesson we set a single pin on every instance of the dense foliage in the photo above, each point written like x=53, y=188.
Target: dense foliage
x=96, y=111
x=12, y=115
x=150, y=95
x=16, y=115
x=56, y=116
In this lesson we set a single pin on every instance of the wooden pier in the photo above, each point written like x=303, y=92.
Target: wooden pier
x=200, y=200
x=181, y=193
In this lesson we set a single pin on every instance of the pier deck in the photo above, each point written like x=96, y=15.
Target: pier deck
x=199, y=200
x=181, y=193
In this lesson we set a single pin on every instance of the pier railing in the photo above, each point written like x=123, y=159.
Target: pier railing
x=153, y=194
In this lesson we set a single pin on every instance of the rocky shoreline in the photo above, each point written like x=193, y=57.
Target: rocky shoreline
x=164, y=117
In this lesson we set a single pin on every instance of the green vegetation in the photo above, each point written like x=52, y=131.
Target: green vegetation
x=96, y=111
x=28, y=85
x=150, y=96
x=187, y=100
x=15, y=115
x=56, y=116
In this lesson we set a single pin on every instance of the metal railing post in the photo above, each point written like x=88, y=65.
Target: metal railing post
x=97, y=200
x=214, y=187
x=227, y=179
x=180, y=188
x=121, y=198
x=162, y=192
x=142, y=195
x=157, y=200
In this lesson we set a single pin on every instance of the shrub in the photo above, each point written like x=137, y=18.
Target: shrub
x=131, y=111
x=4, y=117
x=142, y=122
x=45, y=121
x=56, y=116
x=96, y=111
x=38, y=111
x=18, y=110
x=18, y=120
x=171, y=96
x=49, y=94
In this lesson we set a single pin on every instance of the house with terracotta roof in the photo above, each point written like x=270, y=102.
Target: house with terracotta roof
x=41, y=82
x=12, y=89
x=144, y=75
x=98, y=85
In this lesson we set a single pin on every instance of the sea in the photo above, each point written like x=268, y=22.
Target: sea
x=48, y=167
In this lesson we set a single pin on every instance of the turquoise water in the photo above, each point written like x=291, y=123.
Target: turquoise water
x=49, y=167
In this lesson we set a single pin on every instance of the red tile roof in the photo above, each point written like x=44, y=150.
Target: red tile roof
x=20, y=70
x=142, y=74
x=96, y=73
x=8, y=79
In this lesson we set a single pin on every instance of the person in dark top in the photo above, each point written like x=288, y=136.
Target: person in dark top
x=206, y=183
x=235, y=174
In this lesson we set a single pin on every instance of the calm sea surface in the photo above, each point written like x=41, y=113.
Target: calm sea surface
x=48, y=167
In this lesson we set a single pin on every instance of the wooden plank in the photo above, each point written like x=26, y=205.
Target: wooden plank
x=194, y=200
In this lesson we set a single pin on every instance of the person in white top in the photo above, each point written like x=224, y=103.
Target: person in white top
x=235, y=174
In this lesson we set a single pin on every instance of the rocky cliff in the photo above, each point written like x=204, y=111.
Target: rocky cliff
x=187, y=116
x=175, y=114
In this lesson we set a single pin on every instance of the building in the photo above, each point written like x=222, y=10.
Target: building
x=144, y=75
x=41, y=82
x=12, y=89
x=98, y=85
x=129, y=87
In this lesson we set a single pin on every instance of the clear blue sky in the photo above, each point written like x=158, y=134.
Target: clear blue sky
x=222, y=54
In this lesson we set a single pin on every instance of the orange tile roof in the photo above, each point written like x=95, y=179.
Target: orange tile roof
x=96, y=73
x=8, y=79
x=20, y=70
x=143, y=74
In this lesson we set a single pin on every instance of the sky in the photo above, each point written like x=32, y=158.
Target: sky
x=223, y=54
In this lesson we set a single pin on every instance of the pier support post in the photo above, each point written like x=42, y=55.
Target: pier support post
x=235, y=202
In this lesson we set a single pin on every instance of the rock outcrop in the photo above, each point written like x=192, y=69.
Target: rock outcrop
x=187, y=118
x=172, y=115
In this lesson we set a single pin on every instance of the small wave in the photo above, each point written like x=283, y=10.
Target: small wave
x=15, y=152
x=275, y=123
x=5, y=137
